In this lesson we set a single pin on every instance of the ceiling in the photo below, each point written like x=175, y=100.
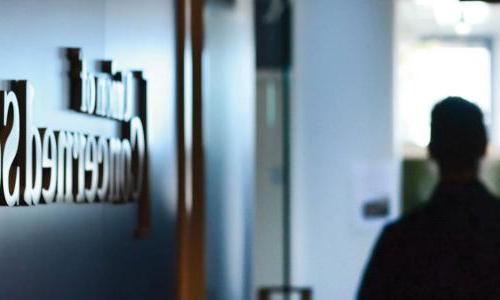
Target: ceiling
x=417, y=18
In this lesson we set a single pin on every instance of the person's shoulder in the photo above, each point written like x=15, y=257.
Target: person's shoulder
x=436, y=212
x=491, y=205
x=407, y=222
x=493, y=201
x=414, y=216
x=487, y=194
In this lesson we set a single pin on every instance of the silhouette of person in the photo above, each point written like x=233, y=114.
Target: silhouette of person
x=450, y=247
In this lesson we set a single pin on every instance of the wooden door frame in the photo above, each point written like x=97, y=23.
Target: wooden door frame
x=190, y=169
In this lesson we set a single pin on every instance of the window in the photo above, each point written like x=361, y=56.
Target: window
x=431, y=70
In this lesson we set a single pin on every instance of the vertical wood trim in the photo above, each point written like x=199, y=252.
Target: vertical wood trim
x=182, y=218
x=190, y=224
x=198, y=169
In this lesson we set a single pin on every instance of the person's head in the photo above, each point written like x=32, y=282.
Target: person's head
x=458, y=136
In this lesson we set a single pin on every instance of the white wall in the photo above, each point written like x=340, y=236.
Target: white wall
x=495, y=130
x=342, y=116
x=229, y=142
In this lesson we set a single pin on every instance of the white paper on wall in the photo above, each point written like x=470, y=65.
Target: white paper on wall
x=376, y=193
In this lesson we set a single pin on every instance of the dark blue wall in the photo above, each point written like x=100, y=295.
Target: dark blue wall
x=69, y=251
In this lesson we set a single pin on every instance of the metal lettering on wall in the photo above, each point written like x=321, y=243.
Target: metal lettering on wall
x=44, y=166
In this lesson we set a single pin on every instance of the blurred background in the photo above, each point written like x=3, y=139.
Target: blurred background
x=357, y=95
x=282, y=136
